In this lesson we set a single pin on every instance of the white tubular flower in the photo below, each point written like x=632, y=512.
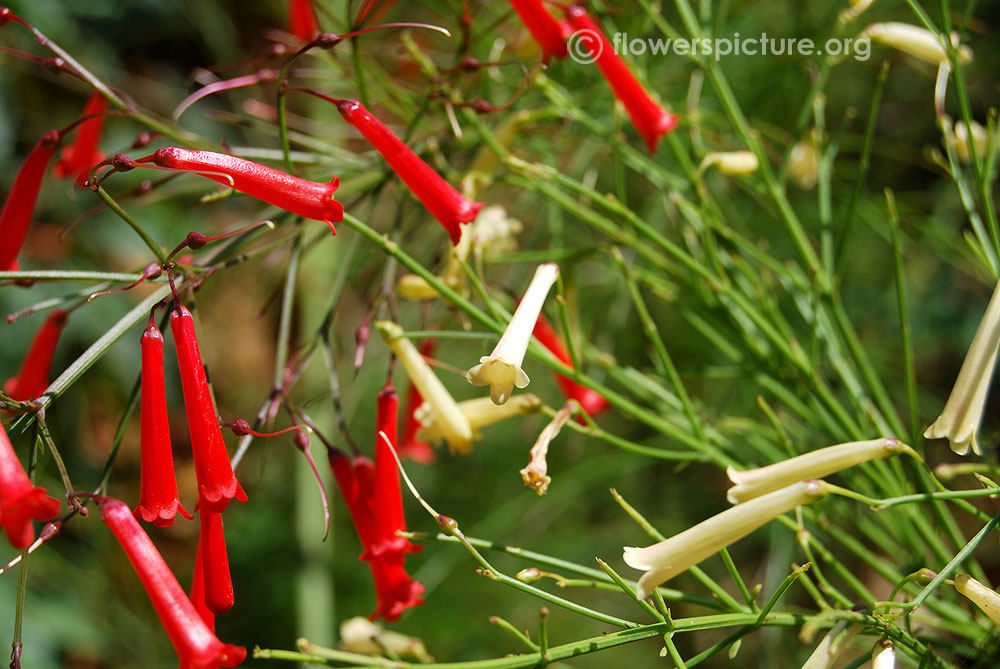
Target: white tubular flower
x=733, y=163
x=535, y=475
x=884, y=655
x=671, y=556
x=813, y=465
x=962, y=139
x=454, y=426
x=963, y=412
x=358, y=635
x=917, y=42
x=480, y=412
x=857, y=8
x=986, y=599
x=501, y=370
x=832, y=645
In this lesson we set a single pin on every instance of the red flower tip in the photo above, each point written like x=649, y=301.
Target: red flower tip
x=16, y=215
x=302, y=21
x=550, y=34
x=649, y=118
x=76, y=159
x=446, y=204
x=194, y=642
x=218, y=582
x=394, y=589
x=33, y=377
x=217, y=484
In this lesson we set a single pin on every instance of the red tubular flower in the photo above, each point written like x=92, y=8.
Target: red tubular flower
x=76, y=159
x=20, y=502
x=411, y=447
x=198, y=587
x=194, y=642
x=394, y=589
x=158, y=499
x=310, y=199
x=217, y=483
x=388, y=498
x=33, y=377
x=550, y=34
x=302, y=21
x=218, y=582
x=446, y=204
x=590, y=400
x=649, y=118
x=16, y=214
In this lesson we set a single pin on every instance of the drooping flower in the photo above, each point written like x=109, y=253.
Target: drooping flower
x=453, y=424
x=985, y=598
x=395, y=590
x=84, y=153
x=158, y=498
x=446, y=204
x=33, y=377
x=589, y=400
x=535, y=475
x=664, y=560
x=20, y=501
x=550, y=34
x=194, y=642
x=388, y=497
x=649, y=118
x=217, y=579
x=917, y=42
x=217, y=484
x=501, y=370
x=813, y=465
x=16, y=215
x=302, y=21
x=480, y=412
x=963, y=412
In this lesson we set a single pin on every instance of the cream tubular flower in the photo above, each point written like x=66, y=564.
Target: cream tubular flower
x=884, y=655
x=813, y=465
x=454, y=425
x=480, y=412
x=535, y=475
x=803, y=163
x=832, y=645
x=501, y=370
x=917, y=42
x=359, y=635
x=670, y=557
x=986, y=599
x=414, y=287
x=963, y=412
x=857, y=8
x=733, y=163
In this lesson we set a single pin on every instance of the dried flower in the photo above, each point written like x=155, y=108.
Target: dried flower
x=917, y=42
x=454, y=425
x=649, y=118
x=812, y=465
x=217, y=483
x=535, y=474
x=501, y=370
x=446, y=204
x=664, y=560
x=84, y=153
x=196, y=645
x=16, y=215
x=20, y=501
x=550, y=34
x=985, y=598
x=33, y=377
x=158, y=499
x=963, y=412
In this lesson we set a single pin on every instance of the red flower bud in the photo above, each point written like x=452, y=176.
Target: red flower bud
x=16, y=214
x=218, y=582
x=550, y=34
x=590, y=400
x=649, y=118
x=217, y=483
x=33, y=377
x=194, y=642
x=302, y=21
x=388, y=498
x=20, y=501
x=446, y=204
x=158, y=500
x=76, y=159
